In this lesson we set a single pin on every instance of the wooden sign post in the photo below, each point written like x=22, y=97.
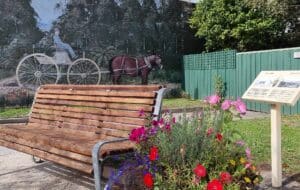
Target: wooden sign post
x=276, y=88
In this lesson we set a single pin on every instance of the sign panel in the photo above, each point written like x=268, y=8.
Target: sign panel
x=275, y=87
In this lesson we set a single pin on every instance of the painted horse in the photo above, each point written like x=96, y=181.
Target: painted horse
x=124, y=65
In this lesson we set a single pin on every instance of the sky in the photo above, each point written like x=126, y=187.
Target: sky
x=47, y=13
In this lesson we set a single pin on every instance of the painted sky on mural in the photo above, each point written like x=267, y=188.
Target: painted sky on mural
x=48, y=12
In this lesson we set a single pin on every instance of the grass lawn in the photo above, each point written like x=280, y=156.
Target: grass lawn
x=257, y=134
x=14, y=112
x=180, y=103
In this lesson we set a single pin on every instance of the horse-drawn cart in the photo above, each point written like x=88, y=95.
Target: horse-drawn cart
x=38, y=68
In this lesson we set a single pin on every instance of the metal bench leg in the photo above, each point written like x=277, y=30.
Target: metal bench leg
x=97, y=166
x=96, y=159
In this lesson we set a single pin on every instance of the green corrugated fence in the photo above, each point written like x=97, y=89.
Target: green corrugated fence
x=238, y=70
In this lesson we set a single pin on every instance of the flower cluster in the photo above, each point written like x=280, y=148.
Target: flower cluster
x=216, y=100
x=195, y=153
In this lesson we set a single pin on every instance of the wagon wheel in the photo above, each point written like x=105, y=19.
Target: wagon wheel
x=84, y=71
x=37, y=69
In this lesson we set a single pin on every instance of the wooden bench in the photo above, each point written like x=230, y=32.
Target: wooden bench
x=79, y=126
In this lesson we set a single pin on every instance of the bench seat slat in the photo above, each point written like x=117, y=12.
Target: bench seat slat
x=82, y=118
x=82, y=127
x=63, y=125
x=142, y=88
x=104, y=93
x=89, y=110
x=86, y=168
x=83, y=147
x=148, y=101
x=47, y=148
x=131, y=107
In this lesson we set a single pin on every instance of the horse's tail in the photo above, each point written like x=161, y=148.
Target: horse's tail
x=110, y=65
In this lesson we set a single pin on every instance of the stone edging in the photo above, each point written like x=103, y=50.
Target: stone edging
x=14, y=120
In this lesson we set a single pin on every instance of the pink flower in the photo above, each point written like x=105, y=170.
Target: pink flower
x=200, y=171
x=161, y=122
x=226, y=105
x=141, y=113
x=225, y=178
x=240, y=106
x=214, y=185
x=214, y=99
x=248, y=153
x=174, y=120
x=137, y=134
x=168, y=127
x=247, y=165
x=209, y=131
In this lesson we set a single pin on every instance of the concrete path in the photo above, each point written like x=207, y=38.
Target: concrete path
x=19, y=172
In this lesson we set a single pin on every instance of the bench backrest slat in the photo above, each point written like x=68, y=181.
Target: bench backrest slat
x=104, y=110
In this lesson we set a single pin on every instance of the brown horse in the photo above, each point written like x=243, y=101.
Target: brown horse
x=133, y=67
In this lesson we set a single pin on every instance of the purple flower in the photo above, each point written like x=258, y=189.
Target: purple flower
x=226, y=105
x=214, y=99
x=240, y=143
x=141, y=113
x=240, y=106
x=155, y=123
x=153, y=130
x=248, y=153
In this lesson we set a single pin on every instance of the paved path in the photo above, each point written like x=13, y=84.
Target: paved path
x=19, y=172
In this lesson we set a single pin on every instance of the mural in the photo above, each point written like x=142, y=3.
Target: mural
x=101, y=28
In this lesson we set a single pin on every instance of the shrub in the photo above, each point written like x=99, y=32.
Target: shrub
x=198, y=152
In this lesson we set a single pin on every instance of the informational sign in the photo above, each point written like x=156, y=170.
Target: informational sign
x=275, y=87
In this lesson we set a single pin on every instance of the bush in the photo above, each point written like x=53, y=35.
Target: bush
x=18, y=97
x=198, y=152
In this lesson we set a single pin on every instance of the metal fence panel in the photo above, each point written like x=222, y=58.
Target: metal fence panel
x=238, y=70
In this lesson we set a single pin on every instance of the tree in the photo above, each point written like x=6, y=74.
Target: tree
x=17, y=23
x=240, y=24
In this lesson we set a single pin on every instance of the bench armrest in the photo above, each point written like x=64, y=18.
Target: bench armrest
x=95, y=155
x=97, y=147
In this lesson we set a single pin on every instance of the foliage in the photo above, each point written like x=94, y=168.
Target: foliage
x=182, y=103
x=240, y=24
x=13, y=112
x=257, y=134
x=197, y=152
x=220, y=86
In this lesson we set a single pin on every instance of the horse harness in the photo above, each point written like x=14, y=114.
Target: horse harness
x=137, y=69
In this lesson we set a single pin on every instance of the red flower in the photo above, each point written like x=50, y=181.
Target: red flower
x=225, y=178
x=219, y=136
x=214, y=185
x=200, y=171
x=174, y=120
x=148, y=180
x=153, y=155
